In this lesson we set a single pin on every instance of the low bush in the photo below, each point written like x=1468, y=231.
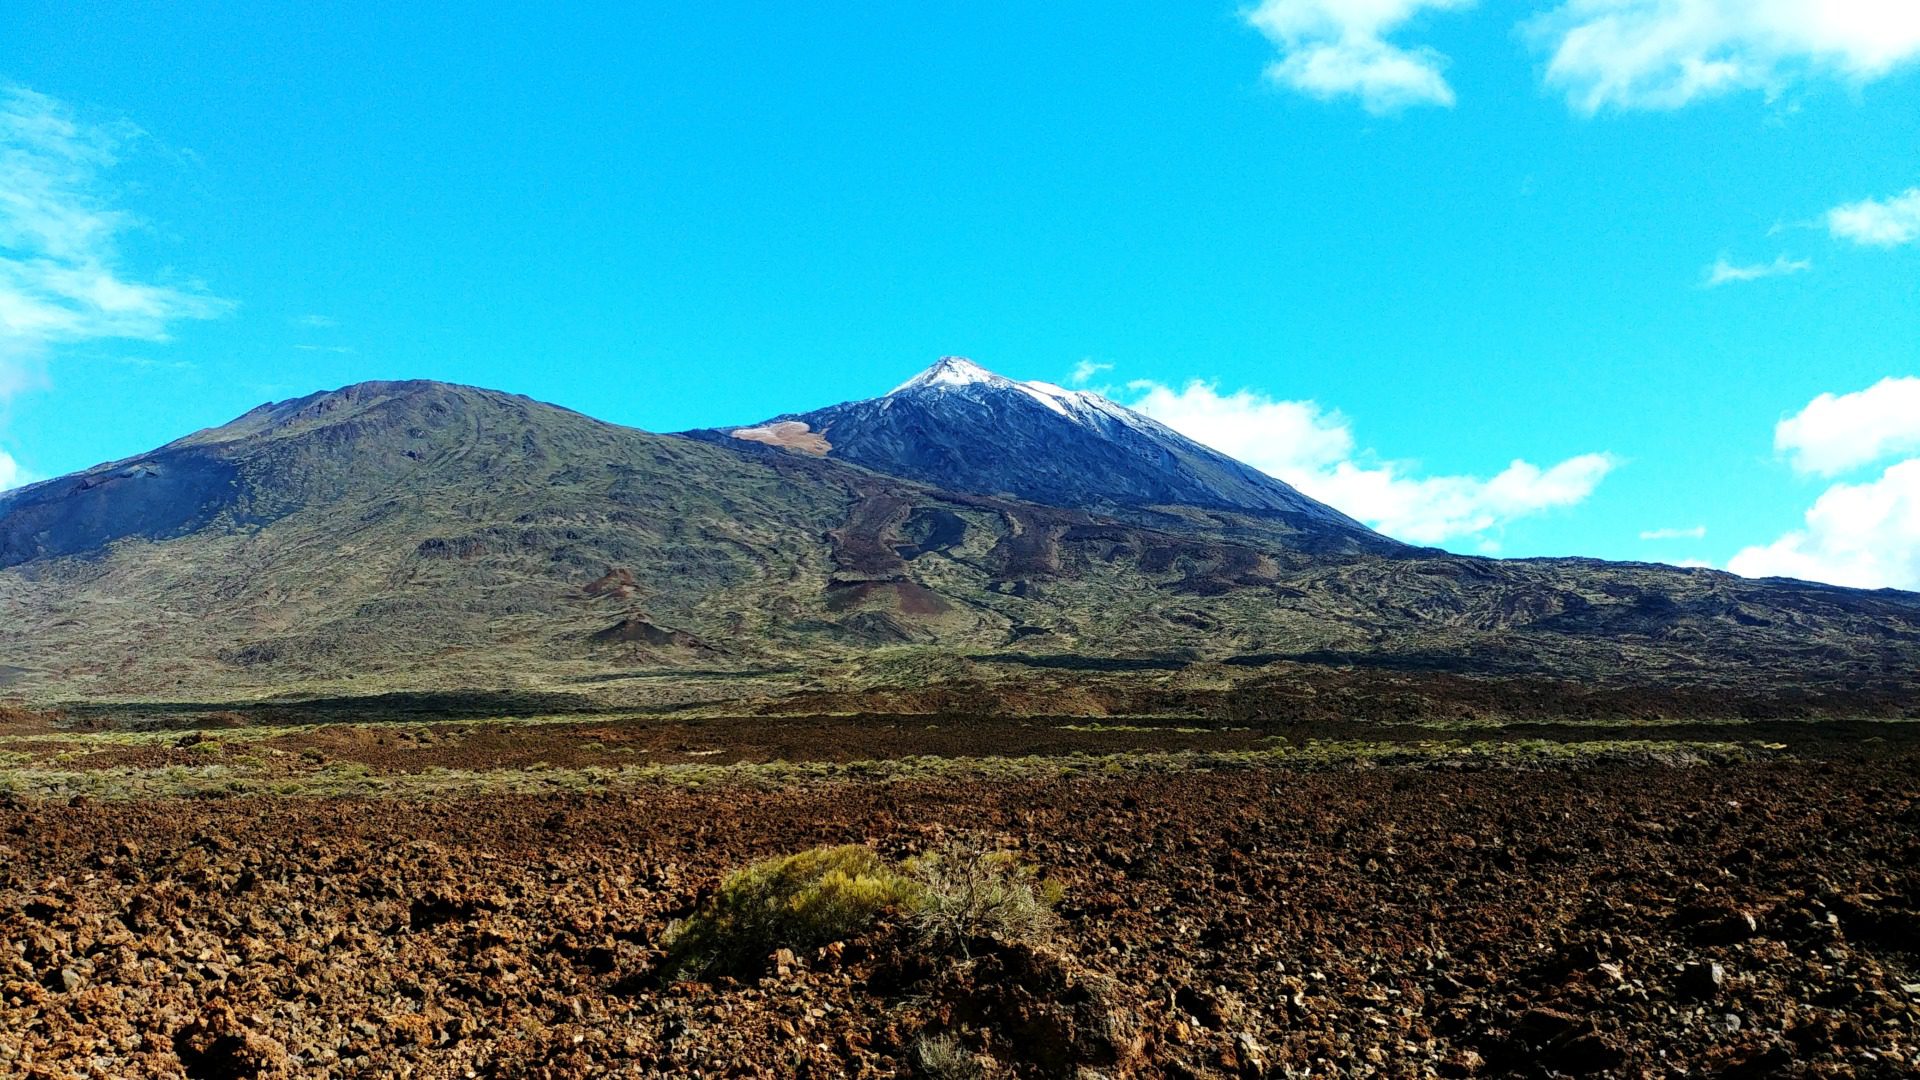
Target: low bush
x=796, y=901
x=952, y=896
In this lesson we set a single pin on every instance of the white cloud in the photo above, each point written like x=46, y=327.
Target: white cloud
x=1865, y=535
x=1339, y=48
x=1835, y=433
x=1662, y=54
x=1085, y=370
x=1697, y=532
x=325, y=348
x=1314, y=450
x=1433, y=509
x=319, y=322
x=61, y=278
x=1879, y=222
x=11, y=474
x=1279, y=437
x=1723, y=272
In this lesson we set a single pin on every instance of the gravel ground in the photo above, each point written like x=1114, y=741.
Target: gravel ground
x=1753, y=918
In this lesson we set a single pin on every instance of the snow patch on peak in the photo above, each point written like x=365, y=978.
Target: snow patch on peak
x=1052, y=390
x=1083, y=407
x=949, y=371
x=1038, y=392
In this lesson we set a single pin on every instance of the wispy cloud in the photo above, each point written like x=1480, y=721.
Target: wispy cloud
x=1085, y=371
x=150, y=364
x=1887, y=222
x=325, y=348
x=1724, y=272
x=1339, y=48
x=318, y=322
x=1314, y=449
x=1663, y=54
x=62, y=278
x=1697, y=532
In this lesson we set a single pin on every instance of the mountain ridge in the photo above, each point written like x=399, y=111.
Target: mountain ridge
x=189, y=481
x=420, y=535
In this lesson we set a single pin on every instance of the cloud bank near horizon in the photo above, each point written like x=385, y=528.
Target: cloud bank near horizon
x=1864, y=533
x=1314, y=449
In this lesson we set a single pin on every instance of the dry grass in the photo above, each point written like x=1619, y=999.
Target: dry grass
x=968, y=893
x=942, y=1057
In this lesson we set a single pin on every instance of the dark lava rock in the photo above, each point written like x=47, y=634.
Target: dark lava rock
x=1702, y=979
x=1719, y=924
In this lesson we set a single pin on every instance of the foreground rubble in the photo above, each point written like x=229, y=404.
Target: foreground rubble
x=1756, y=919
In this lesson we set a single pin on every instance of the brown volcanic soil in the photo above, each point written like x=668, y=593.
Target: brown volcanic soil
x=1390, y=921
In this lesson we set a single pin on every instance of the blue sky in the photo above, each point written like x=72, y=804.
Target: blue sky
x=1386, y=249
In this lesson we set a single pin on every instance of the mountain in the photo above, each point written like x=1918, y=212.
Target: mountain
x=417, y=535
x=961, y=427
x=446, y=535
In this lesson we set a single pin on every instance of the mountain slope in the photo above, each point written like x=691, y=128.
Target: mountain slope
x=446, y=534
x=420, y=535
x=273, y=460
x=391, y=525
x=960, y=427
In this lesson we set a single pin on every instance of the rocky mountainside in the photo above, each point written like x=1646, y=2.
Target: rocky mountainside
x=961, y=427
x=420, y=535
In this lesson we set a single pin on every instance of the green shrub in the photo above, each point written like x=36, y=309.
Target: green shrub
x=796, y=901
x=953, y=895
x=966, y=893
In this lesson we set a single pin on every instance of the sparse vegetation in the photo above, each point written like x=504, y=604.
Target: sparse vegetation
x=967, y=893
x=942, y=1057
x=62, y=766
x=796, y=901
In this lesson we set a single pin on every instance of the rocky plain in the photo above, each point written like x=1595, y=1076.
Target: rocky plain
x=440, y=901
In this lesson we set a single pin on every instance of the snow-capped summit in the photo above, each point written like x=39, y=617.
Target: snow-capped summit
x=949, y=371
x=959, y=426
x=958, y=372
